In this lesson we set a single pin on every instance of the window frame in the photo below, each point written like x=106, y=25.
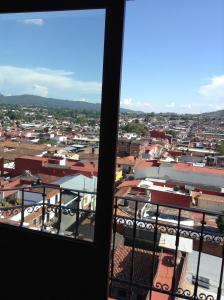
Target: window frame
x=110, y=101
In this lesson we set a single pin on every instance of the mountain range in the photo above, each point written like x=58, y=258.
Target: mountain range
x=76, y=105
x=219, y=114
x=51, y=102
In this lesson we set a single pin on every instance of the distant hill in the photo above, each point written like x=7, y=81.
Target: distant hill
x=219, y=114
x=51, y=102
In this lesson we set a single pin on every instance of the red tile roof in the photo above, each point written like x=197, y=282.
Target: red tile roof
x=121, y=213
x=128, y=160
x=164, y=276
x=123, y=191
x=145, y=164
x=47, y=178
x=195, y=169
x=129, y=183
x=33, y=157
x=211, y=198
x=142, y=264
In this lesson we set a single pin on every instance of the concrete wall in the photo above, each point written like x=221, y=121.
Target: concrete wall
x=161, y=197
x=168, y=171
x=210, y=205
x=35, y=197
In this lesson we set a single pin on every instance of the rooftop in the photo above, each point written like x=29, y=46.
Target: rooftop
x=196, y=169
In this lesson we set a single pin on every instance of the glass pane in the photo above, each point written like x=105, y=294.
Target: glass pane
x=50, y=83
x=169, y=203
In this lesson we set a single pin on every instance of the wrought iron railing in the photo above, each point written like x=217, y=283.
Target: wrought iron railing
x=38, y=211
x=170, y=271
x=157, y=251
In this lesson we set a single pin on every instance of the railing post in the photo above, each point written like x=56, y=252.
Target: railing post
x=199, y=256
x=22, y=209
x=154, y=250
x=133, y=250
x=219, y=294
x=43, y=208
x=59, y=211
x=175, y=257
x=77, y=218
x=113, y=244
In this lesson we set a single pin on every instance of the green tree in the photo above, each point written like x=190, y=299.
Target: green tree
x=12, y=115
x=171, y=132
x=137, y=128
x=220, y=223
x=220, y=148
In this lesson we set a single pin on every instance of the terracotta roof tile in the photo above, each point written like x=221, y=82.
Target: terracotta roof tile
x=212, y=198
x=146, y=164
x=128, y=160
x=195, y=169
x=142, y=264
x=123, y=191
x=129, y=183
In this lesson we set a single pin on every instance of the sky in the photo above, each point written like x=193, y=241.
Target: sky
x=173, y=58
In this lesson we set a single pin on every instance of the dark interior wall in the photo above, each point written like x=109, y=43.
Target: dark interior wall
x=36, y=266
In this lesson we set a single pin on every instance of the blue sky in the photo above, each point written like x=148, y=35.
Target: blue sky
x=57, y=55
x=173, y=55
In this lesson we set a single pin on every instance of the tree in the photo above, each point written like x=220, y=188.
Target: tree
x=220, y=223
x=171, y=132
x=135, y=128
x=220, y=148
x=12, y=115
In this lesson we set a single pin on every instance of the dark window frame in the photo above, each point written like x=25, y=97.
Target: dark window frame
x=112, y=57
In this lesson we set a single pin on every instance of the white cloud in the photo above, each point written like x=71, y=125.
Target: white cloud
x=36, y=22
x=215, y=88
x=135, y=105
x=40, y=90
x=188, y=106
x=128, y=102
x=42, y=81
x=171, y=104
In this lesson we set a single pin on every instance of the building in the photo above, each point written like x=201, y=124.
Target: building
x=126, y=147
x=55, y=166
x=182, y=172
x=82, y=183
x=53, y=255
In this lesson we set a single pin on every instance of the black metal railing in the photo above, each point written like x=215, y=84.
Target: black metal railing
x=39, y=209
x=157, y=251
x=178, y=269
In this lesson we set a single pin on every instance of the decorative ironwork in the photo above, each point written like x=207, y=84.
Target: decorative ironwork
x=53, y=209
x=68, y=211
x=172, y=230
x=161, y=286
x=32, y=209
x=52, y=216
x=166, y=229
x=199, y=233
x=182, y=292
x=203, y=296
x=10, y=211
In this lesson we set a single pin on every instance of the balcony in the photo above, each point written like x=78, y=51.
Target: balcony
x=152, y=256
x=64, y=246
